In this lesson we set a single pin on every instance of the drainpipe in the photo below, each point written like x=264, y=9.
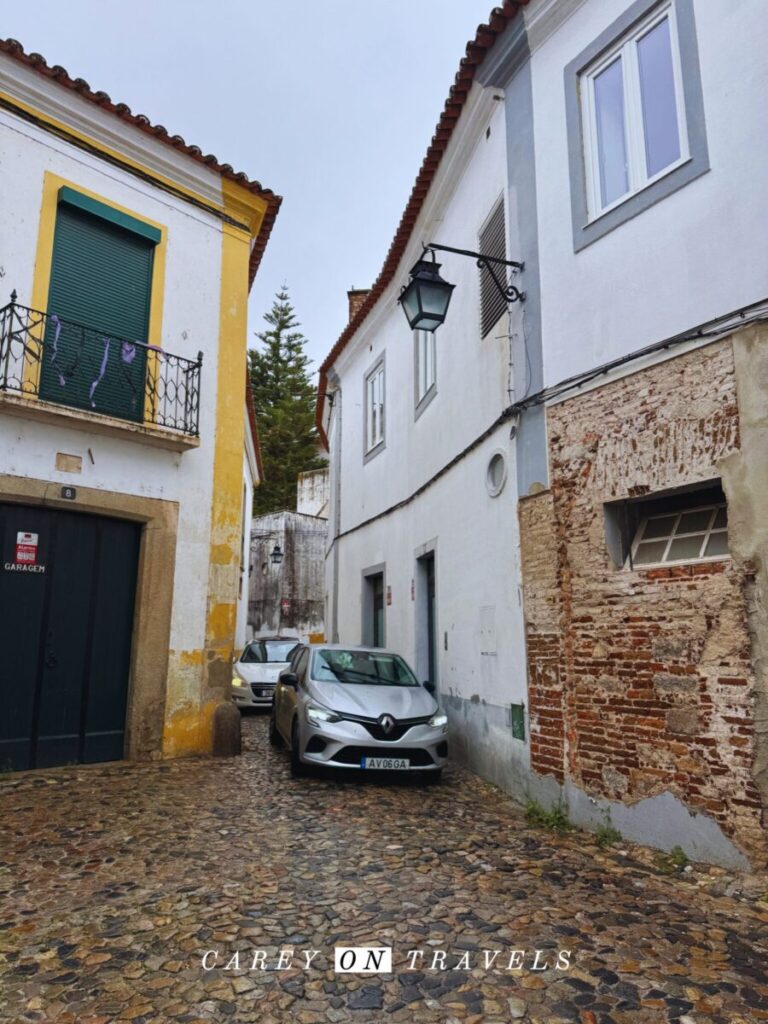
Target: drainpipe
x=335, y=383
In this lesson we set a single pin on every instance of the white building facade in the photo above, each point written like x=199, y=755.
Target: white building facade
x=519, y=510
x=100, y=426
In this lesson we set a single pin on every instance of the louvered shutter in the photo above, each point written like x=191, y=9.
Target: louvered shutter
x=492, y=243
x=101, y=277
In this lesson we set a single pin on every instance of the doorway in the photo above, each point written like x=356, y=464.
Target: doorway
x=373, y=607
x=426, y=618
x=67, y=593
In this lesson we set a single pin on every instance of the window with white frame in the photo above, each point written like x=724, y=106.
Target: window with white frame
x=374, y=408
x=425, y=364
x=633, y=114
x=688, y=535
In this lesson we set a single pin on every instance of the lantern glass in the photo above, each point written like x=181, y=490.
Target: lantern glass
x=435, y=296
x=277, y=555
x=426, y=297
x=409, y=300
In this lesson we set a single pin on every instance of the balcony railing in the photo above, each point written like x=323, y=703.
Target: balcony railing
x=58, y=360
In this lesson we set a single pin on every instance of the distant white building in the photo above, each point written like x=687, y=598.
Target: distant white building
x=287, y=564
x=312, y=493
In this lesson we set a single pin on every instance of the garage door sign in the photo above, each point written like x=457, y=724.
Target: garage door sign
x=25, y=558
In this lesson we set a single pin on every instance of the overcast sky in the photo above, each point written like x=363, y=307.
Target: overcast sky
x=330, y=103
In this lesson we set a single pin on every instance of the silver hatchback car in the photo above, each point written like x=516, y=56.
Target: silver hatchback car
x=357, y=707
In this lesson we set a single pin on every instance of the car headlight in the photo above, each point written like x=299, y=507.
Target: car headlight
x=237, y=681
x=438, y=720
x=319, y=716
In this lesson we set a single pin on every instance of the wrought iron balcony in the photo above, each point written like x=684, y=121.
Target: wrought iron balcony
x=57, y=360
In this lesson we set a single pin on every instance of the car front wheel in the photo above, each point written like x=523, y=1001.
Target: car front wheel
x=275, y=739
x=298, y=768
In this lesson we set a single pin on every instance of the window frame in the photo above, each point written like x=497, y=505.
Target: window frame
x=625, y=49
x=421, y=399
x=673, y=535
x=374, y=443
x=637, y=19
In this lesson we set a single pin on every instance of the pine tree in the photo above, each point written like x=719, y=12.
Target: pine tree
x=285, y=407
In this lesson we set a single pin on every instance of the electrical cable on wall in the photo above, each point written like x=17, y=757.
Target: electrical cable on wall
x=754, y=314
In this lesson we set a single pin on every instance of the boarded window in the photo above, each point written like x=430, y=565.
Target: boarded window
x=492, y=243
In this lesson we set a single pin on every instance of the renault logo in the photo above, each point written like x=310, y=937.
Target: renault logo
x=387, y=724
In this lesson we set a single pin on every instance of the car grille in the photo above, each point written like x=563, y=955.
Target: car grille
x=402, y=726
x=353, y=755
x=263, y=689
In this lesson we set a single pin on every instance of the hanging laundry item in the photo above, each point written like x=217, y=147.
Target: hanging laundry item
x=55, y=350
x=102, y=371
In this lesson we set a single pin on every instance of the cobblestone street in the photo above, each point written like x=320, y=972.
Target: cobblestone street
x=116, y=881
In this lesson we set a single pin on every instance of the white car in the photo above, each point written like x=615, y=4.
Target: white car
x=256, y=670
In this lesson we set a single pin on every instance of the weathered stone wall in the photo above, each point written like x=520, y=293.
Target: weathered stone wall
x=288, y=598
x=641, y=681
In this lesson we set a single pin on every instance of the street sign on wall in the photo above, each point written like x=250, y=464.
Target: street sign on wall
x=26, y=548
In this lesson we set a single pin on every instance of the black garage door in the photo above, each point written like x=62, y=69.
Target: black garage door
x=67, y=590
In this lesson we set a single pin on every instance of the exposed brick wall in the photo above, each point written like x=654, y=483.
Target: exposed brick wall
x=640, y=681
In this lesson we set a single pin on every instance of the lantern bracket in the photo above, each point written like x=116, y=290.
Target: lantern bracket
x=509, y=292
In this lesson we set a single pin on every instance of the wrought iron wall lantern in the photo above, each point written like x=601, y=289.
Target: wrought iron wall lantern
x=426, y=297
x=276, y=555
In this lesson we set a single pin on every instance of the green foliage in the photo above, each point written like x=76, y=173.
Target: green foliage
x=556, y=818
x=606, y=834
x=673, y=862
x=284, y=397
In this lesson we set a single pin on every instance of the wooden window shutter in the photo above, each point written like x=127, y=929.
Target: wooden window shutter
x=493, y=242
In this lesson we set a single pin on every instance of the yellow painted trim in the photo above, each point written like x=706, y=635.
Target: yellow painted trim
x=60, y=126
x=227, y=505
x=41, y=280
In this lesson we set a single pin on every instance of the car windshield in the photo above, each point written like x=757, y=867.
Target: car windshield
x=339, y=666
x=269, y=651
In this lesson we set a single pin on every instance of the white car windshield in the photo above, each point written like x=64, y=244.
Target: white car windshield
x=265, y=651
x=340, y=666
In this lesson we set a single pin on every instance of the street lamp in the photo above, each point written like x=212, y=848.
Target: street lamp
x=426, y=297
x=277, y=555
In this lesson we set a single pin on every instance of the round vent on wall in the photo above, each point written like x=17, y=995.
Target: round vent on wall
x=496, y=474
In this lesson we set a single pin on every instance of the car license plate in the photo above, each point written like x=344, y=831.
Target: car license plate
x=387, y=764
x=264, y=692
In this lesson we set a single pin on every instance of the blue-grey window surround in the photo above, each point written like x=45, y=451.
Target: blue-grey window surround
x=585, y=231
x=371, y=453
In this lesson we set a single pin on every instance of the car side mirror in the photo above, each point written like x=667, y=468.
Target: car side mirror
x=430, y=687
x=289, y=679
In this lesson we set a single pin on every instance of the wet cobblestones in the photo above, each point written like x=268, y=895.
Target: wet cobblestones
x=115, y=881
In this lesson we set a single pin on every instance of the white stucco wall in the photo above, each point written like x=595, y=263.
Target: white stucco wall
x=190, y=323
x=475, y=537
x=696, y=254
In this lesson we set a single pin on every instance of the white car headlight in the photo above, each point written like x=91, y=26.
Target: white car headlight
x=319, y=716
x=438, y=720
x=238, y=681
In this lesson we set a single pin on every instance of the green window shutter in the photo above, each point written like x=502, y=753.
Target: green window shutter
x=101, y=280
